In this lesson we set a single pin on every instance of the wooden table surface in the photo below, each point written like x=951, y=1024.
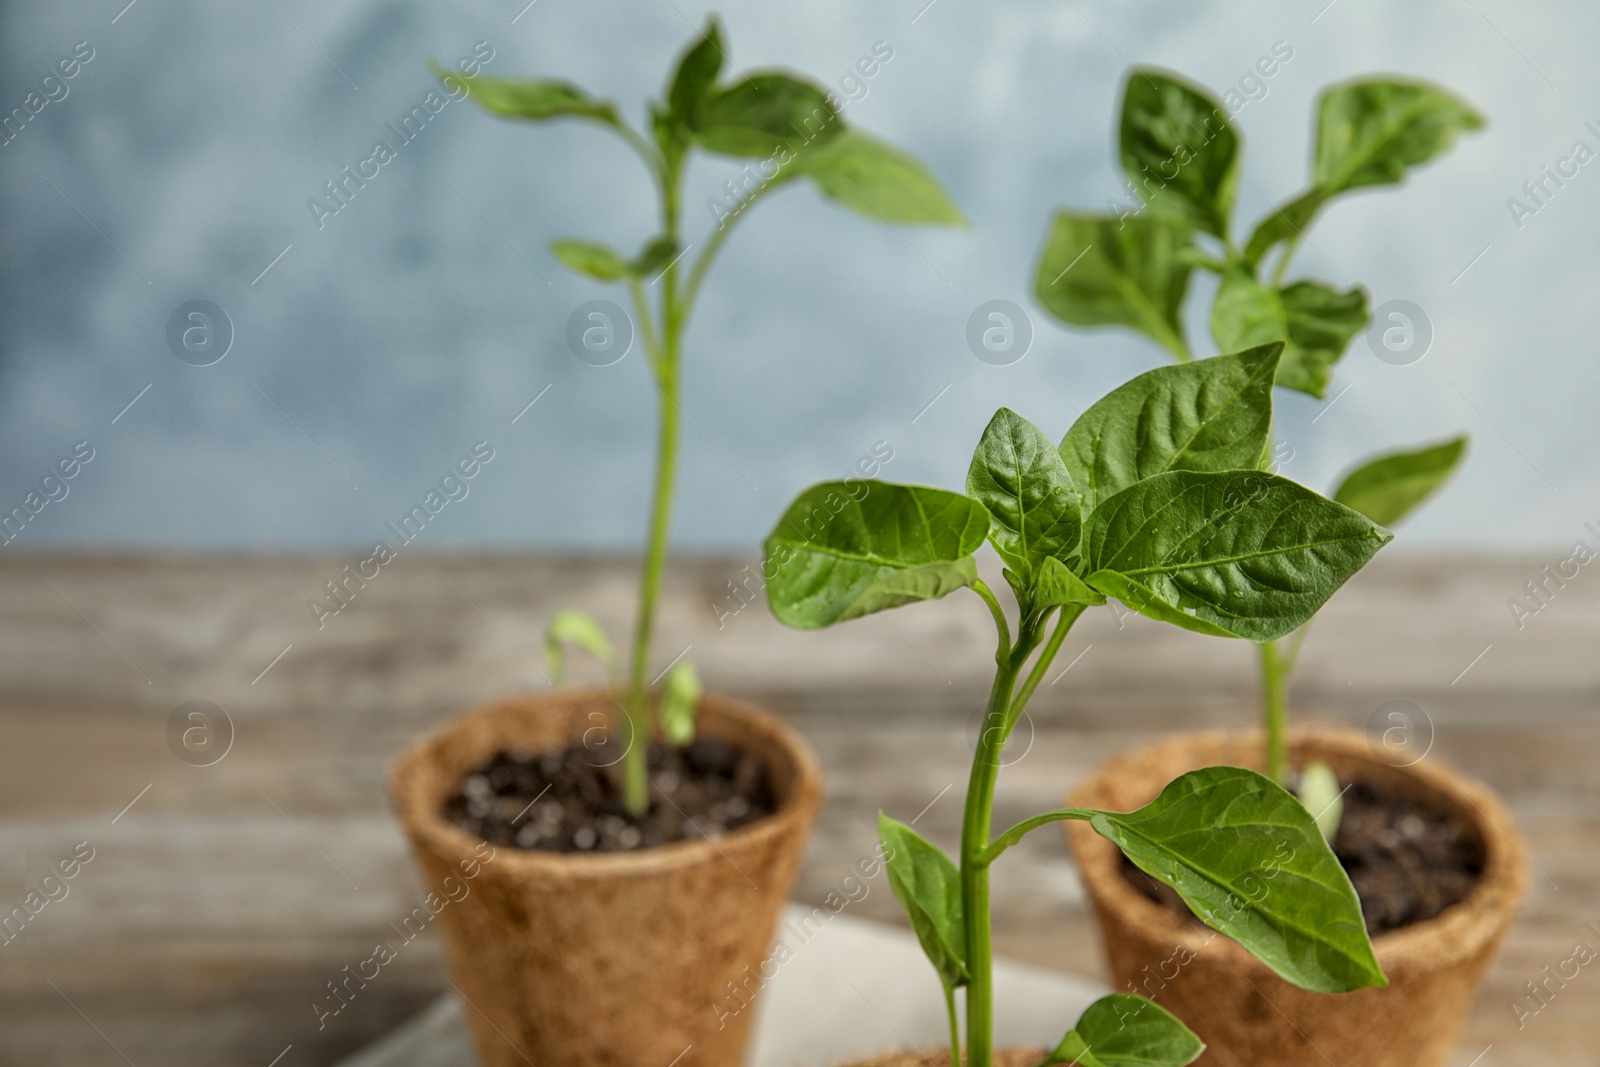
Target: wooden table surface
x=221, y=899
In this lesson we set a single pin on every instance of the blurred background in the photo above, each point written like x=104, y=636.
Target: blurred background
x=357, y=354
x=372, y=346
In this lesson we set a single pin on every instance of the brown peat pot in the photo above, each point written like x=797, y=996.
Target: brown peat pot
x=620, y=959
x=1246, y=1014
x=1003, y=1057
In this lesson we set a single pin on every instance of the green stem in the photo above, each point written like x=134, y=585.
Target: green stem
x=635, y=767
x=1069, y=615
x=1290, y=247
x=975, y=825
x=1023, y=828
x=1275, y=692
x=955, y=1025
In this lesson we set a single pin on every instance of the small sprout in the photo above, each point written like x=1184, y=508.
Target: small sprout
x=680, y=698
x=1320, y=793
x=571, y=627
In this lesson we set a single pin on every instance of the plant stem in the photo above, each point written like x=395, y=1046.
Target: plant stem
x=955, y=1025
x=1289, y=249
x=1069, y=615
x=975, y=825
x=635, y=767
x=1275, y=693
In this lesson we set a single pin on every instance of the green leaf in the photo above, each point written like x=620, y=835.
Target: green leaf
x=1249, y=861
x=928, y=886
x=1368, y=133
x=680, y=699
x=1386, y=488
x=847, y=549
x=1209, y=415
x=1371, y=132
x=1320, y=795
x=1179, y=150
x=696, y=74
x=878, y=181
x=1286, y=222
x=1246, y=313
x=652, y=257
x=570, y=627
x=591, y=258
x=1055, y=585
x=1316, y=321
x=1234, y=554
x=764, y=114
x=1122, y=1030
x=1321, y=321
x=1098, y=270
x=538, y=99
x=1018, y=475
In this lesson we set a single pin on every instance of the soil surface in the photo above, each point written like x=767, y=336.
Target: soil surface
x=1407, y=862
x=1003, y=1057
x=564, y=802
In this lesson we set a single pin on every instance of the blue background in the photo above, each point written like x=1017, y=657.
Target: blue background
x=429, y=312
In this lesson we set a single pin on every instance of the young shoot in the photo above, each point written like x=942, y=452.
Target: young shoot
x=1131, y=268
x=787, y=128
x=1153, y=497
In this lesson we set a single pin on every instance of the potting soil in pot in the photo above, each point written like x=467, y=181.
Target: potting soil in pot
x=565, y=801
x=1407, y=861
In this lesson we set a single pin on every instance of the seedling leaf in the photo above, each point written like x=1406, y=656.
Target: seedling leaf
x=1235, y=554
x=1019, y=476
x=680, y=698
x=1210, y=415
x=591, y=258
x=1386, y=488
x=847, y=549
x=928, y=886
x=571, y=627
x=1247, y=858
x=1169, y=124
x=1123, y=1030
x=879, y=181
x=764, y=114
x=1101, y=270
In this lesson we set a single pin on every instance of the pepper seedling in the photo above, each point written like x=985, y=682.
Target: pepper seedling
x=1154, y=497
x=1131, y=268
x=790, y=129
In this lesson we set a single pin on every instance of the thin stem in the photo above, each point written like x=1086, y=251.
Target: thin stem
x=1001, y=624
x=708, y=254
x=1069, y=615
x=1274, y=690
x=647, y=326
x=1289, y=249
x=955, y=1025
x=1026, y=826
x=975, y=825
x=635, y=793
x=1296, y=643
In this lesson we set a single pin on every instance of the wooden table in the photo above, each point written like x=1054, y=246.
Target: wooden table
x=220, y=899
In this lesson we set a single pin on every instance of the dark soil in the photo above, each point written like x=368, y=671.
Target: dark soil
x=564, y=802
x=1407, y=861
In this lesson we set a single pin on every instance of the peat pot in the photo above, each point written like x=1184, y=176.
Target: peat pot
x=621, y=959
x=1245, y=1013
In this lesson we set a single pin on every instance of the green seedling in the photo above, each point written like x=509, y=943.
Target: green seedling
x=789, y=129
x=1132, y=269
x=1154, y=497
